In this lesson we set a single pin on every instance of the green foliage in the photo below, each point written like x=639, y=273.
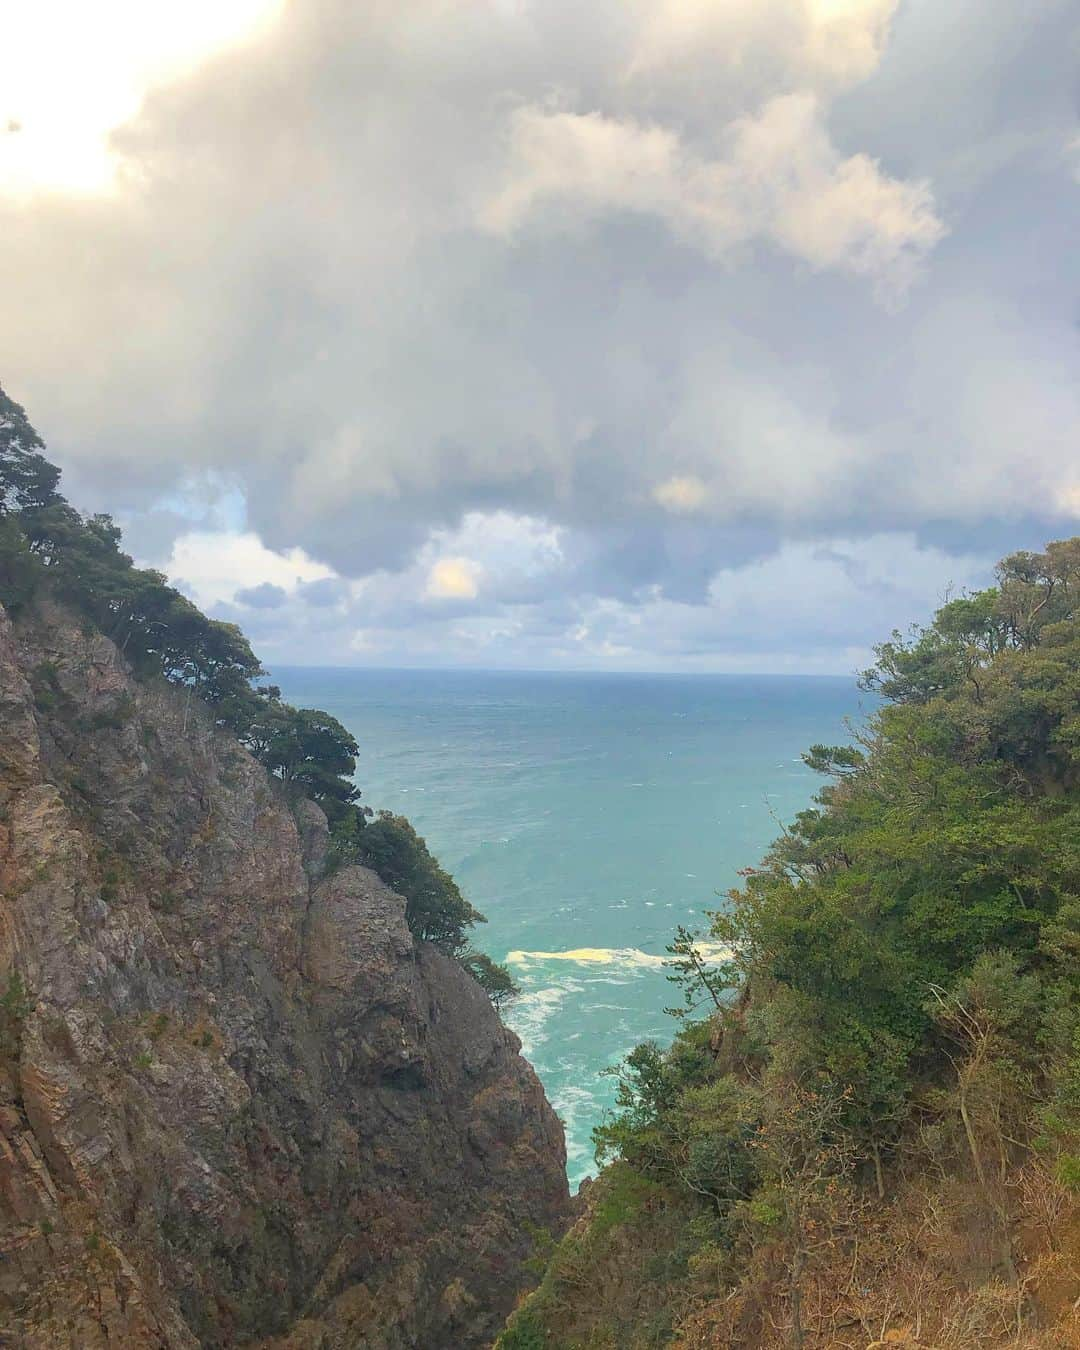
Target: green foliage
x=304, y=747
x=907, y=956
x=1068, y=1171
x=953, y=834
x=1035, y=591
x=681, y=1121
x=525, y=1332
x=27, y=480
x=624, y=1196
x=435, y=909
x=837, y=760
x=637, y=1247
x=47, y=548
x=692, y=970
x=495, y=980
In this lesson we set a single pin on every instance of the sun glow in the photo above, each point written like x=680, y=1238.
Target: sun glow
x=73, y=72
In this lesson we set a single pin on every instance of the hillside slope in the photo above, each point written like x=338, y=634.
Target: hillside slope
x=867, y=1128
x=239, y=1101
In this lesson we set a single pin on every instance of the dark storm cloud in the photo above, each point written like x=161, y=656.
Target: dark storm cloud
x=684, y=290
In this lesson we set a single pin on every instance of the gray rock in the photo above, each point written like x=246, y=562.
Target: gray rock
x=238, y=1103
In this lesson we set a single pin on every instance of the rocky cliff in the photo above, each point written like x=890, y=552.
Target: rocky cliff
x=238, y=1103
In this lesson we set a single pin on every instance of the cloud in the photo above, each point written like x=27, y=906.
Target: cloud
x=66, y=98
x=325, y=593
x=820, y=43
x=508, y=555
x=778, y=177
x=1069, y=498
x=264, y=596
x=604, y=301
x=1071, y=156
x=832, y=596
x=453, y=579
x=683, y=493
x=217, y=567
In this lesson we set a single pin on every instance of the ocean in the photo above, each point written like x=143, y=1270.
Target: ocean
x=586, y=815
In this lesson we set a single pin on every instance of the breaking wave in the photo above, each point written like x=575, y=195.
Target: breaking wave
x=614, y=956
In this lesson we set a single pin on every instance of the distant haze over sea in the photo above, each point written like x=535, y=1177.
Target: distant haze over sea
x=586, y=816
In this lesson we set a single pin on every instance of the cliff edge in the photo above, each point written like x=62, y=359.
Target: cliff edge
x=239, y=1103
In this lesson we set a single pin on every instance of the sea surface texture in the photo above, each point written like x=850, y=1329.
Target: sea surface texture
x=586, y=816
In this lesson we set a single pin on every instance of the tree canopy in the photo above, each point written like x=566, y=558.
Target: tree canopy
x=27, y=480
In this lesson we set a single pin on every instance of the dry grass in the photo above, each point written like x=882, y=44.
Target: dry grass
x=931, y=1269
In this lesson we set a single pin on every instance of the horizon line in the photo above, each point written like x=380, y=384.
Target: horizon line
x=561, y=670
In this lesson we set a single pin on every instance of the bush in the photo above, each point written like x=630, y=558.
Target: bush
x=525, y=1332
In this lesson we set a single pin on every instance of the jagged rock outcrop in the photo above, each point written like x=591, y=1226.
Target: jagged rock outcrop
x=238, y=1103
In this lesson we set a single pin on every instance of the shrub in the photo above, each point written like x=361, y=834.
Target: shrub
x=495, y=980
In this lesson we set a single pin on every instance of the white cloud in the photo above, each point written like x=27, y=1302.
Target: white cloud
x=800, y=43
x=777, y=177
x=212, y=567
x=836, y=597
x=502, y=551
x=847, y=37
x=807, y=605
x=503, y=544
x=289, y=289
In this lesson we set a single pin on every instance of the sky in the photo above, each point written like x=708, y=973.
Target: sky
x=690, y=335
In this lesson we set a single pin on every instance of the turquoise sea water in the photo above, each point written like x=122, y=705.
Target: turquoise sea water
x=586, y=816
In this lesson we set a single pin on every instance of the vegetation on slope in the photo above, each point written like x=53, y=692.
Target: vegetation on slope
x=49, y=551
x=868, y=1124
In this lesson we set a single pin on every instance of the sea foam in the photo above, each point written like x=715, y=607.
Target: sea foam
x=615, y=956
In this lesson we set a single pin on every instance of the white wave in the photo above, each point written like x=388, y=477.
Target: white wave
x=630, y=957
x=570, y=1104
x=530, y=1012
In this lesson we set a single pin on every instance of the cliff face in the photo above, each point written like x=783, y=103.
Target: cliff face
x=237, y=1101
